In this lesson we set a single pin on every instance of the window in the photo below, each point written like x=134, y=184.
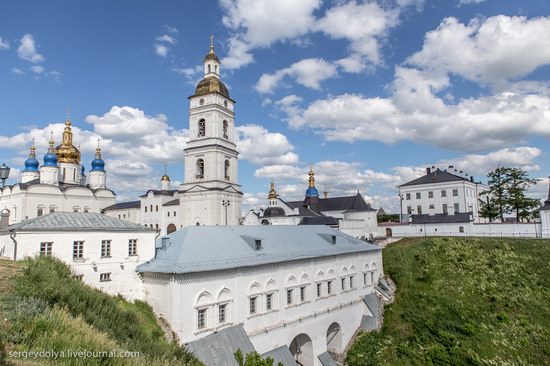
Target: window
x=174, y=213
x=132, y=247
x=372, y=277
x=225, y=127
x=86, y=209
x=226, y=170
x=201, y=101
x=40, y=211
x=258, y=244
x=201, y=318
x=302, y=293
x=78, y=277
x=168, y=213
x=105, y=248
x=289, y=297
x=157, y=208
x=329, y=287
x=430, y=194
x=105, y=277
x=409, y=210
x=351, y=284
x=202, y=128
x=319, y=290
x=432, y=207
x=408, y=196
x=52, y=209
x=200, y=168
x=455, y=192
x=157, y=226
x=225, y=103
x=269, y=301
x=145, y=208
x=461, y=229
x=333, y=239
x=445, y=209
x=75, y=209
x=365, y=278
x=456, y=207
x=252, y=304
x=343, y=283
x=443, y=193
x=46, y=249
x=417, y=195
x=151, y=208
x=419, y=210
x=222, y=314
x=78, y=249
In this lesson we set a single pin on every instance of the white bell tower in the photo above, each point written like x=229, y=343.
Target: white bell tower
x=210, y=194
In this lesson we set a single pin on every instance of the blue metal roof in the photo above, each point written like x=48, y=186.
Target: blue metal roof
x=211, y=248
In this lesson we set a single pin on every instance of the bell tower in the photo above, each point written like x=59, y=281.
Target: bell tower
x=210, y=194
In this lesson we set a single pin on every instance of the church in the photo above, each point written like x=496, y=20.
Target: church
x=58, y=184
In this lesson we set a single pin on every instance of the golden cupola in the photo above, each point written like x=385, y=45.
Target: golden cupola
x=67, y=152
x=272, y=192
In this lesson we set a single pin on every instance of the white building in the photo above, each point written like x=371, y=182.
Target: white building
x=545, y=215
x=350, y=214
x=300, y=289
x=210, y=194
x=103, y=251
x=441, y=194
x=59, y=184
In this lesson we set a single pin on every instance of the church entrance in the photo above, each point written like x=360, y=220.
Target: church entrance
x=334, y=338
x=389, y=232
x=301, y=348
x=170, y=229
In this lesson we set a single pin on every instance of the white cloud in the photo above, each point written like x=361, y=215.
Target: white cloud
x=279, y=172
x=259, y=146
x=466, y=2
x=491, y=50
x=27, y=50
x=161, y=50
x=4, y=45
x=307, y=72
x=37, y=69
x=167, y=38
x=15, y=70
x=192, y=74
x=170, y=29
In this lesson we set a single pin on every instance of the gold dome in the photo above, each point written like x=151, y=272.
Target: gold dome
x=165, y=177
x=272, y=193
x=67, y=152
x=209, y=85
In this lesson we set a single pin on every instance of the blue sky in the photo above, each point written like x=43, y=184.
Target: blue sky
x=370, y=93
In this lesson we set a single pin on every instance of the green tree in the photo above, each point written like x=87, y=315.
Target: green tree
x=253, y=359
x=496, y=205
x=521, y=205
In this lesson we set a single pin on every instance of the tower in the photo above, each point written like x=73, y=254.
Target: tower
x=98, y=176
x=165, y=181
x=49, y=171
x=31, y=166
x=273, y=197
x=68, y=156
x=210, y=192
x=312, y=195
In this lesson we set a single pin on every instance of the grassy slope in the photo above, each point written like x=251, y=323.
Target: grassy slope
x=47, y=309
x=463, y=301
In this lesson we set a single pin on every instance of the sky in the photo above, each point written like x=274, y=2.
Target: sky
x=368, y=93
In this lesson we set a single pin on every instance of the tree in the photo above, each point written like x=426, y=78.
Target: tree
x=518, y=183
x=488, y=209
x=495, y=206
x=253, y=359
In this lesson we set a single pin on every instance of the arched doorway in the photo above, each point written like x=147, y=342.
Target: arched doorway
x=334, y=338
x=389, y=232
x=301, y=348
x=170, y=229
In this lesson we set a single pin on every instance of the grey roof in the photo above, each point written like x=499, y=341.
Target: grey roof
x=273, y=211
x=368, y=323
x=326, y=360
x=62, y=186
x=218, y=349
x=281, y=354
x=319, y=220
x=346, y=203
x=212, y=248
x=160, y=192
x=77, y=221
x=372, y=303
x=436, y=176
x=175, y=202
x=441, y=218
x=123, y=206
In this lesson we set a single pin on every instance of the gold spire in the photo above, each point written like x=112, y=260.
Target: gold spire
x=67, y=152
x=272, y=193
x=211, y=54
x=51, y=143
x=311, y=177
x=325, y=192
x=98, y=150
x=211, y=44
x=33, y=150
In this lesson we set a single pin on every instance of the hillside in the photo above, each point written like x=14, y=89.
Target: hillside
x=43, y=308
x=463, y=301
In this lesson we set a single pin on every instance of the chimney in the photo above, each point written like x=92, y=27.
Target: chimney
x=471, y=178
x=4, y=219
x=428, y=170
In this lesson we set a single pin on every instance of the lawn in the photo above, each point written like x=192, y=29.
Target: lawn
x=463, y=301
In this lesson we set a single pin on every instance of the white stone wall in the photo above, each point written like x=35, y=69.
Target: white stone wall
x=545, y=223
x=528, y=230
x=124, y=279
x=129, y=214
x=178, y=298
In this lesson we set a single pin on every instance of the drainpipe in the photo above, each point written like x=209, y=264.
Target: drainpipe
x=12, y=237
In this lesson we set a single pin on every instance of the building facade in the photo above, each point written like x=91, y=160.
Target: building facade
x=545, y=215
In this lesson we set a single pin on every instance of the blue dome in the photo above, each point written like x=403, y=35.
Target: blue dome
x=50, y=159
x=98, y=165
x=31, y=165
x=312, y=192
x=82, y=169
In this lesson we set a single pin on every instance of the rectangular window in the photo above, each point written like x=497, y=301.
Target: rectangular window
x=86, y=209
x=46, y=249
x=168, y=213
x=455, y=192
x=78, y=277
x=343, y=283
x=443, y=193
x=252, y=304
x=409, y=210
x=419, y=210
x=456, y=207
x=145, y=208
x=351, y=284
x=432, y=207
x=132, y=247
x=78, y=249
x=104, y=277
x=408, y=196
x=174, y=213
x=302, y=293
x=40, y=212
x=417, y=195
x=258, y=244
x=319, y=290
x=289, y=296
x=445, y=209
x=222, y=313
x=430, y=194
x=105, y=248
x=365, y=279
x=372, y=277
x=201, y=318
x=269, y=301
x=329, y=287
x=461, y=229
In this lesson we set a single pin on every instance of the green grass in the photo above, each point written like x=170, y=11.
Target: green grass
x=463, y=301
x=47, y=309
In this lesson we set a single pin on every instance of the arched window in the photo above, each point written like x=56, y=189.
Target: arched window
x=200, y=168
x=209, y=70
x=202, y=128
x=40, y=210
x=227, y=170
x=198, y=224
x=216, y=68
x=225, y=127
x=171, y=228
